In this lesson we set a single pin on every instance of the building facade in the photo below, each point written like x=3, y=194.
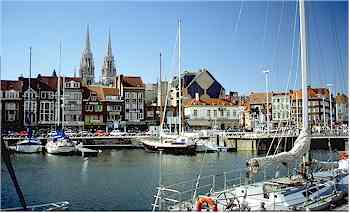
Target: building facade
x=47, y=95
x=11, y=106
x=212, y=114
x=92, y=110
x=342, y=109
x=132, y=89
x=281, y=109
x=72, y=102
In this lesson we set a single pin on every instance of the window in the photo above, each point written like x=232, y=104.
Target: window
x=68, y=85
x=127, y=116
x=141, y=116
x=98, y=108
x=195, y=113
x=11, y=115
x=228, y=113
x=140, y=95
x=10, y=106
x=208, y=113
x=126, y=94
x=88, y=108
x=215, y=113
x=222, y=113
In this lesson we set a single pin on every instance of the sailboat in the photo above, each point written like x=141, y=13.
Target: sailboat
x=60, y=143
x=303, y=191
x=29, y=145
x=175, y=144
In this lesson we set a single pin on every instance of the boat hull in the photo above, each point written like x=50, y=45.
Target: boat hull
x=60, y=150
x=188, y=149
x=28, y=148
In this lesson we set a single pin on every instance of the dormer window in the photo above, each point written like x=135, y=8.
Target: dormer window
x=68, y=85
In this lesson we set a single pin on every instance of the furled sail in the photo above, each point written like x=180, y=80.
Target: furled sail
x=301, y=146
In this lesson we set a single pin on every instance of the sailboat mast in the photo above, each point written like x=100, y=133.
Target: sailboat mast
x=160, y=91
x=180, y=121
x=30, y=92
x=304, y=63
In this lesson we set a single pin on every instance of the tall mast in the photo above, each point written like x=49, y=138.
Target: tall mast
x=160, y=91
x=180, y=121
x=30, y=93
x=304, y=63
x=59, y=88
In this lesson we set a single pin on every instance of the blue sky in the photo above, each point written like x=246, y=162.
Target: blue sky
x=234, y=48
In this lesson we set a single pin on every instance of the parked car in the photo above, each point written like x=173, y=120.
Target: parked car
x=101, y=133
x=116, y=133
x=69, y=133
x=22, y=133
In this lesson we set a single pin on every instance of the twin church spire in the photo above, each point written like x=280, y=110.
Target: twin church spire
x=87, y=67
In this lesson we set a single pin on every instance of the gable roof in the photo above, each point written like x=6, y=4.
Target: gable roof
x=103, y=92
x=201, y=72
x=259, y=98
x=132, y=81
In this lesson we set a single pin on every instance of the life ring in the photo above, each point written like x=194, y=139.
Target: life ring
x=206, y=201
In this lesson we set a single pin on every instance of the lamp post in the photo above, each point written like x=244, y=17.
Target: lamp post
x=266, y=72
x=330, y=105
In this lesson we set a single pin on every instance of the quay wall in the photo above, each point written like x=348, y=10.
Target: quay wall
x=262, y=145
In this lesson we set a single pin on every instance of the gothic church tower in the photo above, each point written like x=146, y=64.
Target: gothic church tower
x=87, y=67
x=108, y=69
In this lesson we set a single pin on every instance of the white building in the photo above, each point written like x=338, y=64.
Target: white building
x=212, y=113
x=280, y=108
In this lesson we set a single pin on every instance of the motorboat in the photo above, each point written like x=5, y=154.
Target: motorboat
x=29, y=145
x=60, y=145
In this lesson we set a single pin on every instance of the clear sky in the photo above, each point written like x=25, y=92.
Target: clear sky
x=234, y=40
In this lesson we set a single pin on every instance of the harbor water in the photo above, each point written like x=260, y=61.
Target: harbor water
x=114, y=180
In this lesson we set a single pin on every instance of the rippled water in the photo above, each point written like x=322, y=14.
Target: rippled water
x=115, y=180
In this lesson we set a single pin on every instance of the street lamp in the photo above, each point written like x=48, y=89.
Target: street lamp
x=266, y=72
x=330, y=104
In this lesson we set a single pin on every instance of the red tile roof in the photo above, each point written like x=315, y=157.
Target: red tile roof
x=102, y=92
x=208, y=102
x=132, y=81
x=11, y=85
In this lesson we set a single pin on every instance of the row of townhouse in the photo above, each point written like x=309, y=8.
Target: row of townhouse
x=286, y=109
x=50, y=99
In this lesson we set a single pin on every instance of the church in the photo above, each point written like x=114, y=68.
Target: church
x=87, y=67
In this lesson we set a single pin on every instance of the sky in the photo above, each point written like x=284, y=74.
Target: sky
x=234, y=40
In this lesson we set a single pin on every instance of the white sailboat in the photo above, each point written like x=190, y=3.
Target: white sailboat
x=30, y=145
x=175, y=144
x=60, y=143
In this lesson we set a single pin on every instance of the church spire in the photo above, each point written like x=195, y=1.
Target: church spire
x=87, y=67
x=87, y=42
x=109, y=51
x=108, y=69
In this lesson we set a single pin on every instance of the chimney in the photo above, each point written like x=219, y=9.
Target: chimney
x=197, y=96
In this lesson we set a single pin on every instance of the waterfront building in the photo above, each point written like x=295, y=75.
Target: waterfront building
x=260, y=112
x=11, y=105
x=202, y=83
x=233, y=97
x=112, y=105
x=212, y=113
x=72, y=103
x=318, y=107
x=30, y=101
x=47, y=93
x=342, y=107
x=87, y=67
x=132, y=89
x=109, y=70
x=280, y=109
x=92, y=109
x=151, y=93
